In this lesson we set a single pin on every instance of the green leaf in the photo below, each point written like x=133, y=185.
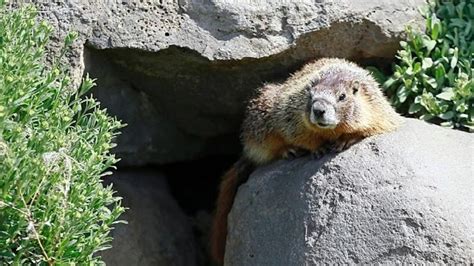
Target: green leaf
x=426, y=117
x=448, y=124
x=414, y=108
x=430, y=81
x=456, y=22
x=468, y=28
x=450, y=8
x=451, y=77
x=417, y=67
x=447, y=116
x=440, y=72
x=402, y=94
x=70, y=37
x=417, y=42
x=447, y=95
x=435, y=29
x=429, y=44
x=429, y=102
x=427, y=63
x=389, y=82
x=454, y=59
x=459, y=9
x=470, y=127
x=417, y=99
x=461, y=106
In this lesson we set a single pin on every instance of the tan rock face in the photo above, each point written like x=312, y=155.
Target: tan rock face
x=180, y=71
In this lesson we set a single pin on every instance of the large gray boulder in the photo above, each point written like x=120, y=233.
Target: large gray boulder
x=179, y=72
x=157, y=231
x=403, y=197
x=232, y=30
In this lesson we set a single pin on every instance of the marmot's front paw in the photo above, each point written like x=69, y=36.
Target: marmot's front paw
x=323, y=150
x=344, y=143
x=294, y=153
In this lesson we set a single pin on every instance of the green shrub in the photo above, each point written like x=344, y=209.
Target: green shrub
x=54, y=148
x=433, y=79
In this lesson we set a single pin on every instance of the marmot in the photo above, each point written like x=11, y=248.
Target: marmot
x=329, y=104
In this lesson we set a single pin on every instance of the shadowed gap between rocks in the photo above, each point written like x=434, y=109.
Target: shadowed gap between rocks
x=170, y=212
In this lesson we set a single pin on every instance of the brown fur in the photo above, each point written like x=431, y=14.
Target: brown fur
x=277, y=121
x=227, y=193
x=228, y=188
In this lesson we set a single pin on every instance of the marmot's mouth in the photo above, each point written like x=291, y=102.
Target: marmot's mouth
x=321, y=123
x=325, y=125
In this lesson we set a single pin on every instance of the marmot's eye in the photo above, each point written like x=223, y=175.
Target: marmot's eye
x=342, y=97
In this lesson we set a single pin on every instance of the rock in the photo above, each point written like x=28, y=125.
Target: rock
x=403, y=197
x=158, y=232
x=233, y=30
x=179, y=72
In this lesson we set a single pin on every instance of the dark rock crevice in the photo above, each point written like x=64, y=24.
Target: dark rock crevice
x=169, y=214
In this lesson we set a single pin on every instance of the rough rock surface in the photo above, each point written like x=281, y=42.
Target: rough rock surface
x=230, y=30
x=158, y=232
x=404, y=197
x=178, y=72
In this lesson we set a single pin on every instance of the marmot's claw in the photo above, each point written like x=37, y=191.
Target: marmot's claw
x=317, y=155
x=340, y=146
x=344, y=144
x=323, y=150
x=294, y=153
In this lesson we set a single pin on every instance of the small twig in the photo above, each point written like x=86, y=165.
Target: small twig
x=37, y=191
x=30, y=219
x=13, y=207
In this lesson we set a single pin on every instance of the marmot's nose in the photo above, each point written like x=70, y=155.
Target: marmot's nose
x=318, y=113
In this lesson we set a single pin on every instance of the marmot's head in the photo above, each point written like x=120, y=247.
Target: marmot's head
x=333, y=98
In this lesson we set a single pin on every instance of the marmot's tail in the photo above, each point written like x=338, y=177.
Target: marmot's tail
x=231, y=181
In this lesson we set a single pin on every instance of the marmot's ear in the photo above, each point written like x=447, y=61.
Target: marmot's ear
x=356, y=85
x=313, y=82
